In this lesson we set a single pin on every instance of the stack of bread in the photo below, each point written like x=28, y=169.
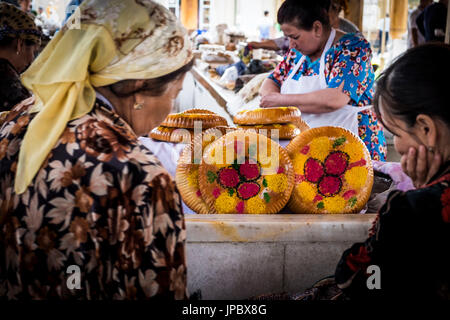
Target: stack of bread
x=179, y=127
x=284, y=122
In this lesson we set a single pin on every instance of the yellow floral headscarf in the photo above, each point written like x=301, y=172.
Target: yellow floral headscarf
x=102, y=43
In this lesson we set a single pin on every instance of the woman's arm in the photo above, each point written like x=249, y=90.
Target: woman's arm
x=321, y=101
x=266, y=44
x=268, y=86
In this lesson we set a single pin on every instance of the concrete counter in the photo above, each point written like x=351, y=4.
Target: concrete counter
x=238, y=256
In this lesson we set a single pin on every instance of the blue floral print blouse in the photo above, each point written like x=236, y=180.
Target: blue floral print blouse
x=349, y=60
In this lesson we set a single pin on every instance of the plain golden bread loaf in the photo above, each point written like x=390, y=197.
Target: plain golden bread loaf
x=283, y=131
x=333, y=171
x=267, y=116
x=198, y=111
x=179, y=127
x=175, y=135
x=187, y=120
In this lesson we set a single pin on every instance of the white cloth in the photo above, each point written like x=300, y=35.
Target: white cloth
x=167, y=153
x=284, y=143
x=382, y=26
x=412, y=24
x=264, y=28
x=346, y=117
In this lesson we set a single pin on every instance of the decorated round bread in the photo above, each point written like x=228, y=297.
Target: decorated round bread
x=333, y=171
x=301, y=124
x=175, y=135
x=267, y=116
x=285, y=131
x=187, y=120
x=186, y=176
x=245, y=172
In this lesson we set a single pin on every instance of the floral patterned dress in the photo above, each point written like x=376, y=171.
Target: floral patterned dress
x=349, y=60
x=409, y=242
x=101, y=202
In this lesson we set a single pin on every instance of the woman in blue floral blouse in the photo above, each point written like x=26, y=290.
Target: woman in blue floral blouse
x=405, y=256
x=327, y=74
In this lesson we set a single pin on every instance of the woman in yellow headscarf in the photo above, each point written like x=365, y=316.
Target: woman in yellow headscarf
x=78, y=192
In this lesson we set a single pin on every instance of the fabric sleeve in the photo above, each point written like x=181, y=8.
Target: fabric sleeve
x=406, y=225
x=351, y=272
x=281, y=71
x=169, y=232
x=282, y=42
x=351, y=64
x=147, y=238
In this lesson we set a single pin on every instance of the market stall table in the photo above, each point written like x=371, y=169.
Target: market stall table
x=239, y=256
x=222, y=97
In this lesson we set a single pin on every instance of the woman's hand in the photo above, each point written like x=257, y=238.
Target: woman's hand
x=272, y=99
x=421, y=165
x=334, y=98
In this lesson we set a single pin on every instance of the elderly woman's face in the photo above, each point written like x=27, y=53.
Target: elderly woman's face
x=27, y=55
x=307, y=42
x=156, y=108
x=22, y=54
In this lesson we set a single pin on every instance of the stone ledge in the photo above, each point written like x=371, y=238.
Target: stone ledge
x=278, y=228
x=239, y=256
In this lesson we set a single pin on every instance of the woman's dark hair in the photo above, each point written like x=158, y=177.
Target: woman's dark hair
x=303, y=13
x=415, y=84
x=153, y=87
x=339, y=5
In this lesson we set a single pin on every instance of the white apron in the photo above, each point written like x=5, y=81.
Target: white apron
x=346, y=117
